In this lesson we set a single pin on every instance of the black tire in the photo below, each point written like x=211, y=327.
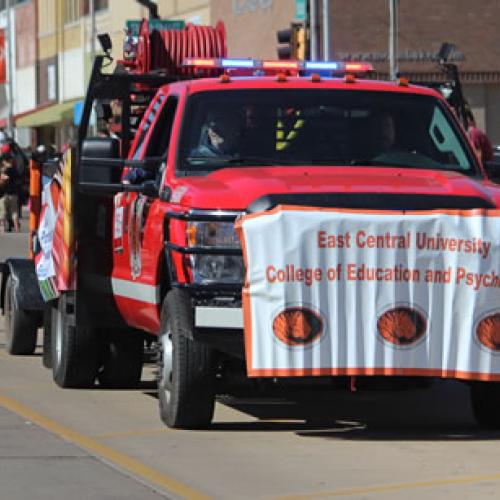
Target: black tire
x=47, y=321
x=186, y=368
x=20, y=327
x=485, y=399
x=122, y=360
x=74, y=349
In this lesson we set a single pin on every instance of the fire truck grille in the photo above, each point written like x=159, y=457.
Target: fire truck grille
x=370, y=201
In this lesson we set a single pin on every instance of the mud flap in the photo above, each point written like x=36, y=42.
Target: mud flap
x=26, y=289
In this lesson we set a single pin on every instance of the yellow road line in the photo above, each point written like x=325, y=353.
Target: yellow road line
x=125, y=462
x=394, y=487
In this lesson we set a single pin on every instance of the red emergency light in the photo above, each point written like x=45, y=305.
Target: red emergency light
x=354, y=67
x=201, y=62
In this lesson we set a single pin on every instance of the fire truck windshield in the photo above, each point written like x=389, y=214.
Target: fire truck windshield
x=320, y=127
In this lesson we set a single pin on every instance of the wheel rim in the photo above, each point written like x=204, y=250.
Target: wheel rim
x=59, y=338
x=166, y=368
x=9, y=309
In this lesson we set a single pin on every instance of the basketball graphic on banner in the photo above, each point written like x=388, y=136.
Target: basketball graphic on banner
x=296, y=326
x=488, y=332
x=402, y=326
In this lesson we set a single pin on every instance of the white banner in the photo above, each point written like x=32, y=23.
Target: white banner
x=346, y=292
x=44, y=261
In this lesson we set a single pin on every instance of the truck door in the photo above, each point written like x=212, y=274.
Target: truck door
x=138, y=224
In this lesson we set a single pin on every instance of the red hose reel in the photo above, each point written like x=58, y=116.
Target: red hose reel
x=166, y=49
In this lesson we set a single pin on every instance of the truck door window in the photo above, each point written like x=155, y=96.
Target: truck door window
x=445, y=140
x=160, y=135
x=147, y=122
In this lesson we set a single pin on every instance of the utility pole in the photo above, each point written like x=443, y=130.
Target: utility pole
x=92, y=30
x=93, y=123
x=10, y=86
x=393, y=39
x=313, y=26
x=326, y=30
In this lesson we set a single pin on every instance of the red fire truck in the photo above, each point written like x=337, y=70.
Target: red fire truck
x=143, y=246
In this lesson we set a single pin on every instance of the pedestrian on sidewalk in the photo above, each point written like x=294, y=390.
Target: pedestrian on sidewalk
x=10, y=200
x=2, y=211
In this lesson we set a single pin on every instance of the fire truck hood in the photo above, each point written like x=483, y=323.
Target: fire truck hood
x=237, y=188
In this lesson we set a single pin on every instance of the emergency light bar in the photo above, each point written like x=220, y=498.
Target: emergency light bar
x=329, y=67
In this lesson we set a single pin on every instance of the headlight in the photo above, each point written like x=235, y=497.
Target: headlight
x=214, y=267
x=212, y=234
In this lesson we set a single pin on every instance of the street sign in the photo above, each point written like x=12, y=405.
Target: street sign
x=133, y=25
x=300, y=10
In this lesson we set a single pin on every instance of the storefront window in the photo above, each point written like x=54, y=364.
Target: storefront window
x=46, y=16
x=3, y=3
x=71, y=11
x=98, y=5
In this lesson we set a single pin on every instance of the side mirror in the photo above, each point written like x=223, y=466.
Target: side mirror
x=493, y=170
x=93, y=166
x=105, y=42
x=149, y=189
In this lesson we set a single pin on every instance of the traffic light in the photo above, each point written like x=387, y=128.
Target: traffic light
x=300, y=43
x=286, y=49
x=292, y=42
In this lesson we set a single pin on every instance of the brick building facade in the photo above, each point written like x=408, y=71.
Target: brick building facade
x=359, y=30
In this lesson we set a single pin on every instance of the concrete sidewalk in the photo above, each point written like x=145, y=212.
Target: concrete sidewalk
x=15, y=244
x=37, y=464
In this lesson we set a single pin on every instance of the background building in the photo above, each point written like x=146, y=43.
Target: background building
x=359, y=30
x=191, y=11
x=51, y=48
x=62, y=67
x=251, y=25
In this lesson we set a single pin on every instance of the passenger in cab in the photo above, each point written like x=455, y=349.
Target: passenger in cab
x=384, y=133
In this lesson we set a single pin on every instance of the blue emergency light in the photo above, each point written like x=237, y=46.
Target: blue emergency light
x=322, y=65
x=238, y=63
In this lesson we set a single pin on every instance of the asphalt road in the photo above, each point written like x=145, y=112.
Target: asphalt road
x=102, y=444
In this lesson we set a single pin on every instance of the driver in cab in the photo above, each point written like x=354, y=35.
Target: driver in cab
x=220, y=136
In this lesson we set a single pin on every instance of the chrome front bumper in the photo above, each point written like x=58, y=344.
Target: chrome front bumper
x=218, y=317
